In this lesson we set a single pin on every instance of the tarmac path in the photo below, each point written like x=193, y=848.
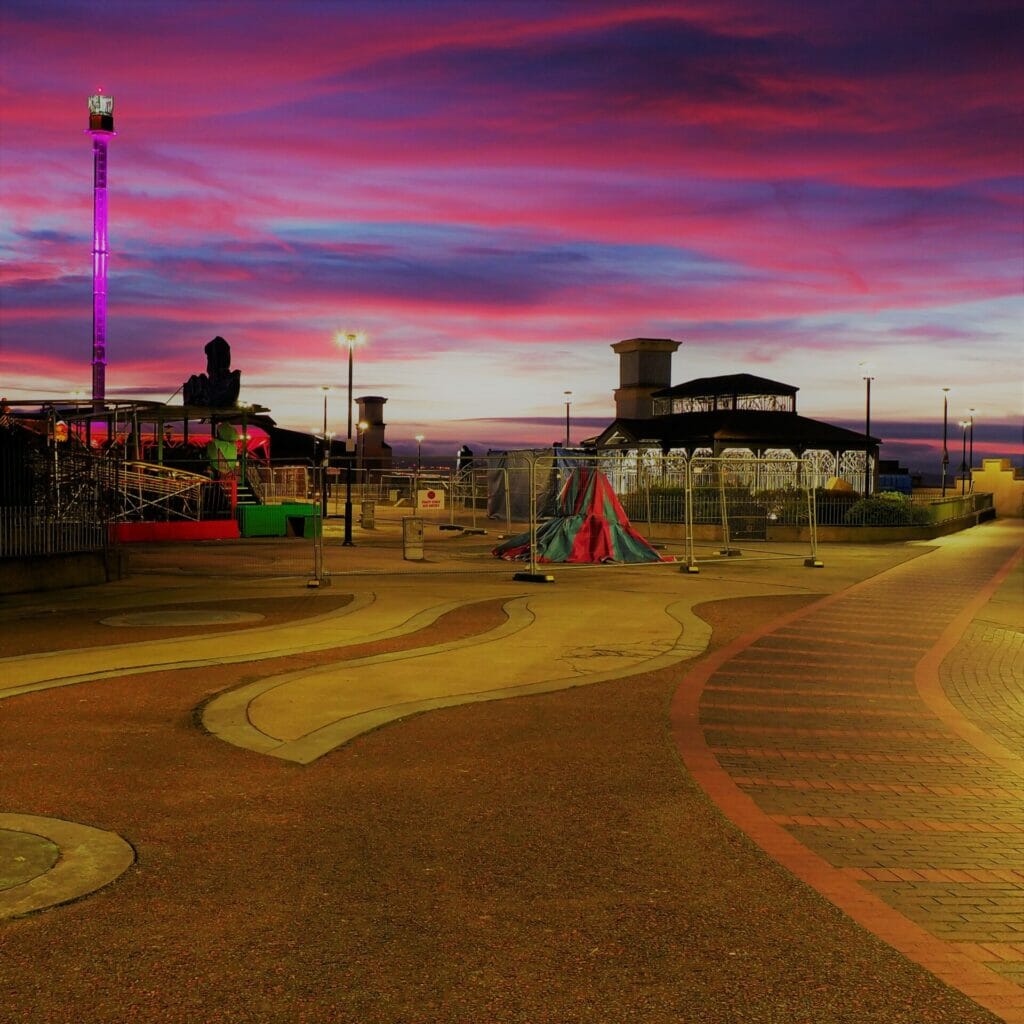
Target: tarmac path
x=304, y=713
x=541, y=859
x=367, y=618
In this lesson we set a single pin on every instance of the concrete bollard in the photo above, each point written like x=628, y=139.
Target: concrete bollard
x=412, y=539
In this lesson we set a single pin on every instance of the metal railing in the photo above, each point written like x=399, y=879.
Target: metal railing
x=53, y=499
x=893, y=509
x=24, y=533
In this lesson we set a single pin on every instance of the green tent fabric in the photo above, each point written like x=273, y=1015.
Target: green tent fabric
x=590, y=526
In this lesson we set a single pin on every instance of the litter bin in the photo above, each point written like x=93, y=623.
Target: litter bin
x=412, y=539
x=368, y=510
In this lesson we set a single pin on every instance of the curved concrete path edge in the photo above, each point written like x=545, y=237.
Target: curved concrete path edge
x=90, y=858
x=955, y=968
x=417, y=621
x=226, y=716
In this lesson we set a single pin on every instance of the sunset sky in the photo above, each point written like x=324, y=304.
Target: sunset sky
x=496, y=192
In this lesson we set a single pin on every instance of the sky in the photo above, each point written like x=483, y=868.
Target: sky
x=495, y=193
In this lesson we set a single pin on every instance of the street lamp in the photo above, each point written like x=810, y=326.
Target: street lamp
x=361, y=427
x=868, y=475
x=325, y=457
x=970, y=448
x=325, y=388
x=945, y=437
x=349, y=340
x=419, y=466
x=964, y=424
x=568, y=402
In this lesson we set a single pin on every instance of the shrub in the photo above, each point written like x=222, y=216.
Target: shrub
x=886, y=509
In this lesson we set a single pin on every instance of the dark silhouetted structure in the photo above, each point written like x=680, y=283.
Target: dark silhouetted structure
x=218, y=387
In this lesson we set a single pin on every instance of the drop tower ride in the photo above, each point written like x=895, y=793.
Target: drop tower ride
x=101, y=128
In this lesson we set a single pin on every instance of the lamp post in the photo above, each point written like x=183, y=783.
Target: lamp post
x=945, y=437
x=970, y=448
x=419, y=452
x=964, y=424
x=868, y=475
x=568, y=402
x=324, y=458
x=325, y=388
x=361, y=427
x=350, y=341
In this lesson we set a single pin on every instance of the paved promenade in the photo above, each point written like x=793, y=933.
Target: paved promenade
x=873, y=744
x=268, y=803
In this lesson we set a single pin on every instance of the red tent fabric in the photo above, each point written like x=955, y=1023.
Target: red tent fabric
x=590, y=526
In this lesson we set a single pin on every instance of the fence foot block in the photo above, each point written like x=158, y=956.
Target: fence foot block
x=730, y=552
x=814, y=563
x=449, y=526
x=533, y=577
x=693, y=570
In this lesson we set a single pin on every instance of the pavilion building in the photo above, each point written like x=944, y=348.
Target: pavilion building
x=735, y=415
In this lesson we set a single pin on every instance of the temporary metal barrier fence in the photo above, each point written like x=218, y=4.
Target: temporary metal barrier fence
x=540, y=478
x=449, y=498
x=729, y=500
x=745, y=499
x=281, y=482
x=704, y=509
x=278, y=507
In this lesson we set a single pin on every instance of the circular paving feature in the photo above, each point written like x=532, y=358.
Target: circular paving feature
x=47, y=861
x=184, y=617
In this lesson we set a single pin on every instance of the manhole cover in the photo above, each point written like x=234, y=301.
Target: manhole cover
x=24, y=856
x=187, y=617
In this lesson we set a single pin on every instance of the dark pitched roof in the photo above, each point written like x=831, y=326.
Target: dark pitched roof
x=741, y=428
x=727, y=384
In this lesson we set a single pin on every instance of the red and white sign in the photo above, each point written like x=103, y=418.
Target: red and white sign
x=430, y=499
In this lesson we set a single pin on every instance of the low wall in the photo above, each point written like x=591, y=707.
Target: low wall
x=1005, y=483
x=879, y=534
x=826, y=534
x=176, y=530
x=56, y=572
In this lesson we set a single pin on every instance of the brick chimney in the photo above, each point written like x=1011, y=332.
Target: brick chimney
x=376, y=452
x=645, y=366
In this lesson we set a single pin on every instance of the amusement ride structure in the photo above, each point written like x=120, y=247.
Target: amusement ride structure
x=101, y=128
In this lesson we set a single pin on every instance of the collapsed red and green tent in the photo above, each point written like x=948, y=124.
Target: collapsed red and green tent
x=590, y=526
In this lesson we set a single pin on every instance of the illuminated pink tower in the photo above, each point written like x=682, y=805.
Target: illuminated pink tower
x=101, y=128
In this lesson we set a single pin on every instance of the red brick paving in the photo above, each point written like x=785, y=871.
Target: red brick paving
x=947, y=887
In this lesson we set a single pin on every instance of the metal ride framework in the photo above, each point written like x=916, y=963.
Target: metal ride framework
x=150, y=491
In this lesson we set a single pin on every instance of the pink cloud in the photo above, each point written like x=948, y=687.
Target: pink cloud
x=564, y=176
